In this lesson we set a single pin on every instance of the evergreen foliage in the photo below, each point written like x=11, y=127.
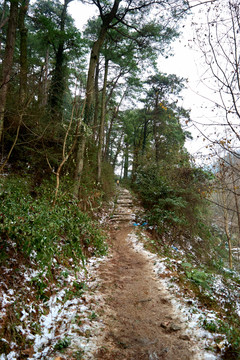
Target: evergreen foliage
x=170, y=192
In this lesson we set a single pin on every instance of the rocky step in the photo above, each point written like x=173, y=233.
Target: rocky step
x=123, y=210
x=124, y=201
x=124, y=204
x=125, y=195
x=119, y=216
x=128, y=206
x=123, y=218
x=127, y=200
x=124, y=198
x=123, y=214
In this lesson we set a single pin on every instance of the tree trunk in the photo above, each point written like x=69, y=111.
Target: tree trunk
x=8, y=60
x=3, y=20
x=44, y=90
x=114, y=116
x=126, y=161
x=79, y=164
x=106, y=151
x=58, y=79
x=135, y=162
x=89, y=112
x=107, y=19
x=144, y=135
x=236, y=201
x=23, y=51
x=96, y=109
x=102, y=122
x=156, y=130
x=226, y=226
x=118, y=151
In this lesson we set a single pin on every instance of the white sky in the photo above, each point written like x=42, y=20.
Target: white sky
x=185, y=63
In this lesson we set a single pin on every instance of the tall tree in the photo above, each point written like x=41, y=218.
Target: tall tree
x=102, y=121
x=121, y=19
x=218, y=40
x=8, y=60
x=58, y=79
x=23, y=50
x=164, y=89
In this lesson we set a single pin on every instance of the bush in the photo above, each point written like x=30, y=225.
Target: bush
x=171, y=194
x=40, y=230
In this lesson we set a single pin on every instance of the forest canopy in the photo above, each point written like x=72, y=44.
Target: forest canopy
x=77, y=107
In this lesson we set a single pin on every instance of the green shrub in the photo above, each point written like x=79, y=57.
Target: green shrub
x=172, y=194
x=199, y=277
x=62, y=344
x=42, y=231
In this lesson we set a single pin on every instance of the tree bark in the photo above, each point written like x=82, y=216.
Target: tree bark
x=135, y=162
x=118, y=151
x=106, y=151
x=156, y=131
x=44, y=90
x=79, y=164
x=126, y=161
x=3, y=18
x=106, y=21
x=58, y=79
x=102, y=122
x=8, y=60
x=226, y=226
x=96, y=109
x=114, y=116
x=145, y=135
x=90, y=79
x=235, y=200
x=23, y=51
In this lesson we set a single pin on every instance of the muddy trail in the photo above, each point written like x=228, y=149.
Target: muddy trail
x=139, y=319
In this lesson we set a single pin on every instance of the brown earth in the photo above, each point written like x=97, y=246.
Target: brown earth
x=139, y=318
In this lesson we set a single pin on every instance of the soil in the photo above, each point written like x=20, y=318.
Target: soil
x=139, y=319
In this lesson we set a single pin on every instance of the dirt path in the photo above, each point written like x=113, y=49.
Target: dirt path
x=139, y=318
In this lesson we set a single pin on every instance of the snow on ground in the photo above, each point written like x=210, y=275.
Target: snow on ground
x=75, y=319
x=185, y=308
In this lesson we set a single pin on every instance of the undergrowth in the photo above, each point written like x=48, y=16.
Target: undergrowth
x=43, y=249
x=43, y=232
x=172, y=197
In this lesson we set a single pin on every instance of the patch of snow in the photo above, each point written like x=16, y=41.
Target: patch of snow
x=11, y=356
x=6, y=299
x=61, y=319
x=56, y=318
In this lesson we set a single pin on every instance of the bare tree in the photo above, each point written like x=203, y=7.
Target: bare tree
x=219, y=41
